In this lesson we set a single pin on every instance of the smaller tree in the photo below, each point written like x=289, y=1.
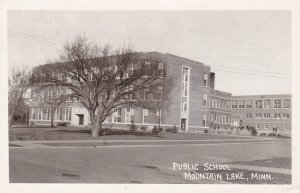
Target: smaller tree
x=18, y=84
x=53, y=99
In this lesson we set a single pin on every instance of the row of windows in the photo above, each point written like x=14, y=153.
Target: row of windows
x=218, y=103
x=267, y=115
x=62, y=113
x=261, y=104
x=129, y=115
x=219, y=118
x=266, y=126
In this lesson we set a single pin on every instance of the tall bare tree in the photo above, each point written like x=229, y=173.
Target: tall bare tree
x=18, y=84
x=102, y=79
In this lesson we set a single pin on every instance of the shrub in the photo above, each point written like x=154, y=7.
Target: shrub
x=271, y=134
x=132, y=127
x=155, y=130
x=206, y=131
x=174, y=129
x=279, y=135
x=253, y=131
x=143, y=128
x=263, y=134
x=64, y=124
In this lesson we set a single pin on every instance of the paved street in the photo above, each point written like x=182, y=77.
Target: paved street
x=150, y=162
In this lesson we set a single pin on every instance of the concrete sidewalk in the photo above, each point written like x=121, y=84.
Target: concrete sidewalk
x=261, y=169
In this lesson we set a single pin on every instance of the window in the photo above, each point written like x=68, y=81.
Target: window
x=258, y=104
x=185, y=74
x=285, y=115
x=157, y=112
x=160, y=66
x=276, y=115
x=267, y=104
x=248, y=115
x=128, y=115
x=241, y=104
x=184, y=104
x=234, y=105
x=286, y=103
x=248, y=104
x=205, y=79
x=117, y=116
x=212, y=102
x=146, y=113
x=204, y=100
x=267, y=116
x=184, y=89
x=277, y=104
x=34, y=112
x=45, y=114
x=204, y=116
x=258, y=116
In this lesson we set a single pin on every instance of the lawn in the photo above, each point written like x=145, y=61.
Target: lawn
x=84, y=133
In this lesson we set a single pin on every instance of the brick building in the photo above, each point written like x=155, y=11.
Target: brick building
x=263, y=112
x=194, y=103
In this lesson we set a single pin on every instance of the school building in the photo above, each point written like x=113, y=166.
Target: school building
x=194, y=104
x=264, y=112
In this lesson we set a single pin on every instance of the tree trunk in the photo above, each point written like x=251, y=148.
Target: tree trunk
x=94, y=124
x=52, y=116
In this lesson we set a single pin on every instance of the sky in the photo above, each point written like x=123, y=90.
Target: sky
x=250, y=51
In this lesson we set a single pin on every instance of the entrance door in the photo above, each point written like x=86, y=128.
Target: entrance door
x=81, y=119
x=183, y=124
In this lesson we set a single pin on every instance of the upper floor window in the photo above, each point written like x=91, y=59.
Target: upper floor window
x=185, y=74
x=258, y=104
x=277, y=104
x=241, y=104
x=204, y=100
x=248, y=104
x=205, y=79
x=286, y=103
x=267, y=104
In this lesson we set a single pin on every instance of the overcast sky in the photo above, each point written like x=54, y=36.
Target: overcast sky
x=250, y=51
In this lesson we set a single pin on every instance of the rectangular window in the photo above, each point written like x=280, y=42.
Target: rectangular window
x=146, y=113
x=249, y=104
x=285, y=115
x=184, y=104
x=128, y=115
x=286, y=103
x=204, y=100
x=277, y=104
x=267, y=104
x=234, y=104
x=205, y=79
x=276, y=115
x=267, y=116
x=248, y=115
x=258, y=104
x=117, y=116
x=212, y=102
x=241, y=105
x=204, y=120
x=185, y=74
x=258, y=116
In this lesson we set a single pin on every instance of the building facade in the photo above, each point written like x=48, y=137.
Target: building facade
x=189, y=108
x=194, y=104
x=264, y=112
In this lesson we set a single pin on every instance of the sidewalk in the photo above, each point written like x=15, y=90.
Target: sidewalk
x=261, y=169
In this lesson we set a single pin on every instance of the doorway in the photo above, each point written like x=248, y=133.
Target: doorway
x=81, y=119
x=183, y=124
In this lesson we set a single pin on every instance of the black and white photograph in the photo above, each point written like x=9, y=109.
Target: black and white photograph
x=150, y=97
